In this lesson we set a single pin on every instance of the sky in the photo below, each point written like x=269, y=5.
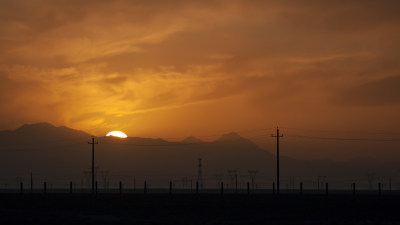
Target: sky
x=171, y=69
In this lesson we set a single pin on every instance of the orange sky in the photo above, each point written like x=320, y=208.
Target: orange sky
x=177, y=68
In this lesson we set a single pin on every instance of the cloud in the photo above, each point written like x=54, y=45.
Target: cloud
x=380, y=92
x=98, y=64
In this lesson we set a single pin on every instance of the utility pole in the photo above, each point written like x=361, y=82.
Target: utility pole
x=104, y=174
x=31, y=183
x=371, y=179
x=218, y=177
x=234, y=178
x=200, y=175
x=320, y=181
x=93, y=143
x=277, y=158
x=252, y=177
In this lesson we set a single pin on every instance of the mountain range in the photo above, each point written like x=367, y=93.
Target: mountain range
x=60, y=154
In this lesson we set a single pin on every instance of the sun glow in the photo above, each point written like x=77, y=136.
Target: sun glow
x=117, y=134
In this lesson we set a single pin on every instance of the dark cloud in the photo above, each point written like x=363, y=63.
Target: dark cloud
x=381, y=92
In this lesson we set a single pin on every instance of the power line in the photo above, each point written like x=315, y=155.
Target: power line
x=174, y=144
x=344, y=139
x=21, y=147
x=167, y=143
x=343, y=132
x=218, y=135
x=156, y=145
x=47, y=148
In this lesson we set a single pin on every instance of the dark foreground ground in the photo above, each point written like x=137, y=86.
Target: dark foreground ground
x=198, y=209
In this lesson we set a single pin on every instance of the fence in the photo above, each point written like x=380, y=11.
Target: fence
x=289, y=185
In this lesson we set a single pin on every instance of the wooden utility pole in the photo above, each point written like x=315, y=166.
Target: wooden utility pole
x=277, y=158
x=93, y=143
x=200, y=175
x=31, y=183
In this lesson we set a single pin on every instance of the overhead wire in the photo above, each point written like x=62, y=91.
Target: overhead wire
x=180, y=143
x=344, y=139
x=47, y=148
x=342, y=132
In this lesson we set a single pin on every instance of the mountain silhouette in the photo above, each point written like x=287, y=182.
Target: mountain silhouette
x=192, y=139
x=61, y=153
x=233, y=136
x=41, y=133
x=235, y=141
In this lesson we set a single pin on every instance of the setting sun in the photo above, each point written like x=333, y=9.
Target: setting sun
x=117, y=134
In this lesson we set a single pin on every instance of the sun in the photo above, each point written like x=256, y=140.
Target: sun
x=119, y=134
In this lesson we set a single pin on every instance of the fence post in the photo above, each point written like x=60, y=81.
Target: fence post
x=70, y=187
x=31, y=183
x=22, y=187
x=170, y=187
x=273, y=187
x=326, y=188
x=120, y=187
x=380, y=188
x=354, y=188
x=301, y=188
x=145, y=187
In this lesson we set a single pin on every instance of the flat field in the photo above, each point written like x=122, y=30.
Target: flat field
x=56, y=208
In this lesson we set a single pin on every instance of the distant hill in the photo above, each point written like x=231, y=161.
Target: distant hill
x=234, y=140
x=40, y=133
x=60, y=154
x=192, y=139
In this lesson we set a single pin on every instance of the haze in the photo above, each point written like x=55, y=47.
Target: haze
x=171, y=69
